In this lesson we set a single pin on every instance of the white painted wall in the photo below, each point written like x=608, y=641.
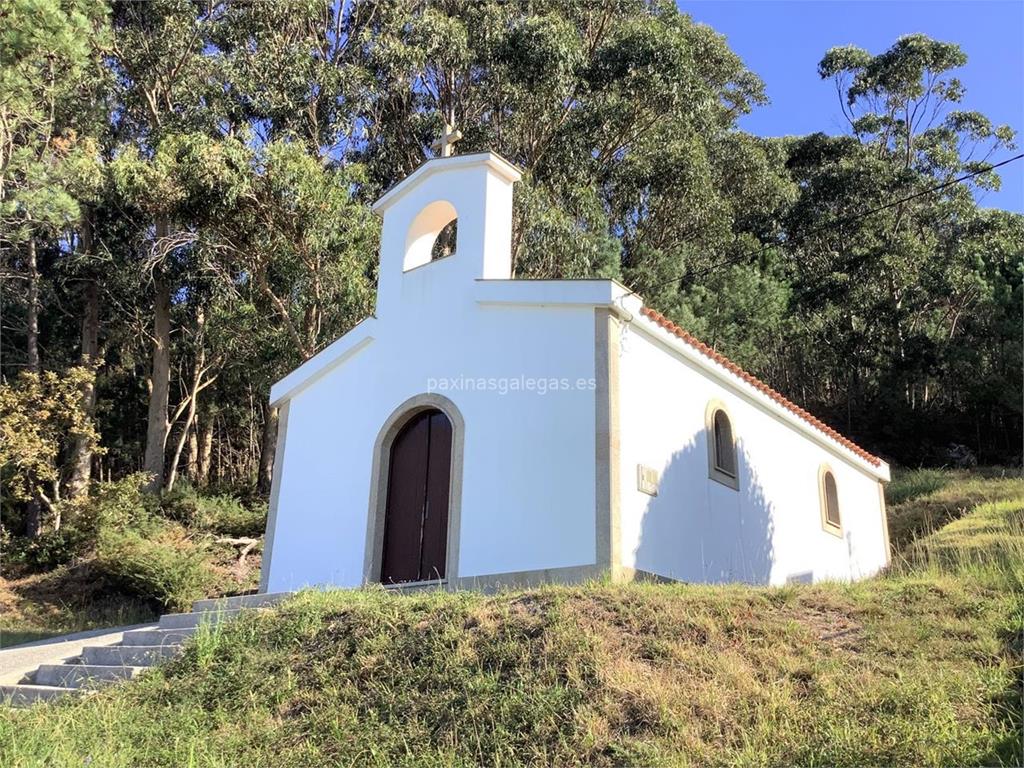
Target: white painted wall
x=528, y=489
x=697, y=529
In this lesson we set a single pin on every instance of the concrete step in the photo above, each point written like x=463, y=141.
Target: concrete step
x=128, y=655
x=162, y=637
x=81, y=675
x=24, y=695
x=189, y=620
x=261, y=600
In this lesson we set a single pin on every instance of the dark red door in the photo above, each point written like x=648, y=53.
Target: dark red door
x=416, y=516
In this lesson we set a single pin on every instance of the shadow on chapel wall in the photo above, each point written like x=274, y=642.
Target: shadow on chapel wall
x=698, y=530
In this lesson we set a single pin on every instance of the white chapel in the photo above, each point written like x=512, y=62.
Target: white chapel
x=480, y=431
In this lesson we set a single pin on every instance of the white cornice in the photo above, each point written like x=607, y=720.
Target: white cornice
x=502, y=167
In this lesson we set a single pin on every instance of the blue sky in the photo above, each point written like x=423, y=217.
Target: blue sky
x=784, y=41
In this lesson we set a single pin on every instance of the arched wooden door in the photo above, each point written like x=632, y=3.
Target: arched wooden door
x=416, y=515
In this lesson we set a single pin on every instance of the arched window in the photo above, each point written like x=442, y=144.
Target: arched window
x=829, y=495
x=725, y=450
x=722, y=462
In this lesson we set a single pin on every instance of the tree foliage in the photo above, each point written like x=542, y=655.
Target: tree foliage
x=39, y=416
x=882, y=298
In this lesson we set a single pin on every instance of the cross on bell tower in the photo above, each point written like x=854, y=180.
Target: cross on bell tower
x=445, y=145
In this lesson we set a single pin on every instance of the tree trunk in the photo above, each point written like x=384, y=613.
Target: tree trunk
x=268, y=445
x=34, y=510
x=32, y=321
x=205, y=451
x=156, y=432
x=34, y=517
x=81, y=449
x=192, y=455
x=190, y=415
x=80, y=460
x=193, y=399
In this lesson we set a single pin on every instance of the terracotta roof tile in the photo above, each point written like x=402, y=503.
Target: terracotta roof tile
x=755, y=382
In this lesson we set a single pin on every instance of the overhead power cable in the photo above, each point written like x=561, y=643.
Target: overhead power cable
x=842, y=222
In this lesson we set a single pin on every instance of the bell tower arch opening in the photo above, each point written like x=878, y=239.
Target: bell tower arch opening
x=431, y=235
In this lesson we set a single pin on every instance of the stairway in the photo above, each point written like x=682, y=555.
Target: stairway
x=101, y=665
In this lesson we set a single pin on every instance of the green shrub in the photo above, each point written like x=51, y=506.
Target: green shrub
x=226, y=515
x=43, y=553
x=169, y=569
x=247, y=493
x=218, y=513
x=180, y=505
x=119, y=505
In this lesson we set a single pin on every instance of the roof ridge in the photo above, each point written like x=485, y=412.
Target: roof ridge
x=759, y=385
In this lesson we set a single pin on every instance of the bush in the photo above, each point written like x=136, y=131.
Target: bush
x=143, y=544
x=122, y=504
x=247, y=493
x=226, y=515
x=159, y=549
x=117, y=505
x=43, y=553
x=180, y=505
x=169, y=568
x=39, y=414
x=220, y=513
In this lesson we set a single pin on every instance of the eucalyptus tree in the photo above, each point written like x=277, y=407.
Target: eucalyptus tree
x=298, y=238
x=281, y=72
x=166, y=89
x=611, y=109
x=902, y=103
x=879, y=296
x=298, y=249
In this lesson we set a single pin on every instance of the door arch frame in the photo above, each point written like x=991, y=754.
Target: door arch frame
x=374, y=549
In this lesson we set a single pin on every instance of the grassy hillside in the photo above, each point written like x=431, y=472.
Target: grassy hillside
x=917, y=667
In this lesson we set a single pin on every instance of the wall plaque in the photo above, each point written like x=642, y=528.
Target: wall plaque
x=647, y=480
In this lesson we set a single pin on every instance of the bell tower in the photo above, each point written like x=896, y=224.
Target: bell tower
x=475, y=192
